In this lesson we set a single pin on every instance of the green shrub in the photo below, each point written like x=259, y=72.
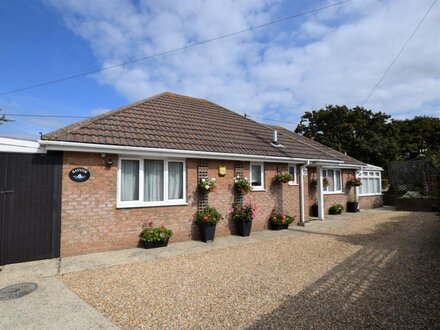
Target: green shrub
x=208, y=215
x=155, y=234
x=280, y=219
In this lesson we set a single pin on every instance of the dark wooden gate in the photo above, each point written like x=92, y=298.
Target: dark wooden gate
x=30, y=206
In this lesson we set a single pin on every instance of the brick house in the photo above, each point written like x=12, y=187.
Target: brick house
x=145, y=161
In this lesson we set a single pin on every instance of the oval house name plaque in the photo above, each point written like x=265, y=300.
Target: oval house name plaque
x=79, y=174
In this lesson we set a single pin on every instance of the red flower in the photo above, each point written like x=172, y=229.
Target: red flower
x=283, y=217
x=205, y=218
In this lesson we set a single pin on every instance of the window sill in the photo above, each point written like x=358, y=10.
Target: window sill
x=292, y=183
x=366, y=195
x=258, y=189
x=158, y=204
x=333, y=192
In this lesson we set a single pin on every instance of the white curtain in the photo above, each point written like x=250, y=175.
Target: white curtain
x=153, y=180
x=175, y=180
x=130, y=180
x=256, y=175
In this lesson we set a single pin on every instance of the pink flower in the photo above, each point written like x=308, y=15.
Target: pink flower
x=150, y=223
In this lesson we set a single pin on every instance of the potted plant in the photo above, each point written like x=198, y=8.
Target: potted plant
x=280, y=221
x=243, y=215
x=242, y=185
x=354, y=182
x=336, y=209
x=325, y=181
x=207, y=220
x=282, y=177
x=154, y=237
x=352, y=203
x=207, y=185
x=315, y=212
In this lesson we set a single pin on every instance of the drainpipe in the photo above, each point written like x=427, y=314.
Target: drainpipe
x=320, y=189
x=302, y=220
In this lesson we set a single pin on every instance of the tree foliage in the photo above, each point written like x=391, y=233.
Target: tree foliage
x=372, y=137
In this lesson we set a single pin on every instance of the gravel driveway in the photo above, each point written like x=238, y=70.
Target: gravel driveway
x=378, y=270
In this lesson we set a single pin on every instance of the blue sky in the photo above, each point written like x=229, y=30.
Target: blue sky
x=331, y=57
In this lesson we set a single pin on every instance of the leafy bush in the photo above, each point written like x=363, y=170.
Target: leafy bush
x=155, y=234
x=280, y=219
x=412, y=195
x=336, y=208
x=246, y=212
x=242, y=185
x=207, y=185
x=282, y=177
x=208, y=215
x=352, y=198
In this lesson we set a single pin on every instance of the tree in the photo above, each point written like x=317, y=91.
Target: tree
x=361, y=133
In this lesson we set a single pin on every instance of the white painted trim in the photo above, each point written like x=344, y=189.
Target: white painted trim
x=369, y=195
x=20, y=146
x=141, y=203
x=257, y=188
x=321, y=213
x=158, y=152
x=301, y=184
x=334, y=169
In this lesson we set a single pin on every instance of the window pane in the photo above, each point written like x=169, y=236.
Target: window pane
x=153, y=180
x=129, y=180
x=370, y=186
x=331, y=186
x=292, y=172
x=175, y=180
x=377, y=186
x=256, y=175
x=338, y=180
x=363, y=187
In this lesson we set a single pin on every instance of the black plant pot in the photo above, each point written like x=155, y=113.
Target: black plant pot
x=352, y=207
x=207, y=232
x=243, y=227
x=315, y=212
x=277, y=226
x=334, y=212
x=153, y=245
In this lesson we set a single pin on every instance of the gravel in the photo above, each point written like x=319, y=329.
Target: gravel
x=378, y=270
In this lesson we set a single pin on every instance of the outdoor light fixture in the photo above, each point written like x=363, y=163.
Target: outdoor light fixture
x=108, y=162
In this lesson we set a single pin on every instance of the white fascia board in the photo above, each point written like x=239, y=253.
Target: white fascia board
x=370, y=167
x=141, y=151
x=344, y=166
x=20, y=146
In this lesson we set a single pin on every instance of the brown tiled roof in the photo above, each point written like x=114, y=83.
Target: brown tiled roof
x=316, y=145
x=173, y=121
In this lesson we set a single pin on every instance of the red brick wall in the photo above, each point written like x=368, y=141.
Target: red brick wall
x=370, y=202
x=90, y=221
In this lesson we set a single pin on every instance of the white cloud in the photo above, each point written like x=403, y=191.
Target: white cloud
x=335, y=57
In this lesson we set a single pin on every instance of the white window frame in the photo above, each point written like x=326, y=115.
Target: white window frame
x=325, y=189
x=368, y=175
x=294, y=182
x=141, y=202
x=257, y=188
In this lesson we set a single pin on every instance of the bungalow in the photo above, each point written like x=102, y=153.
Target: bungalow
x=143, y=162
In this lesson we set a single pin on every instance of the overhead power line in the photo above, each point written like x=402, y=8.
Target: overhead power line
x=399, y=53
x=191, y=45
x=42, y=116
